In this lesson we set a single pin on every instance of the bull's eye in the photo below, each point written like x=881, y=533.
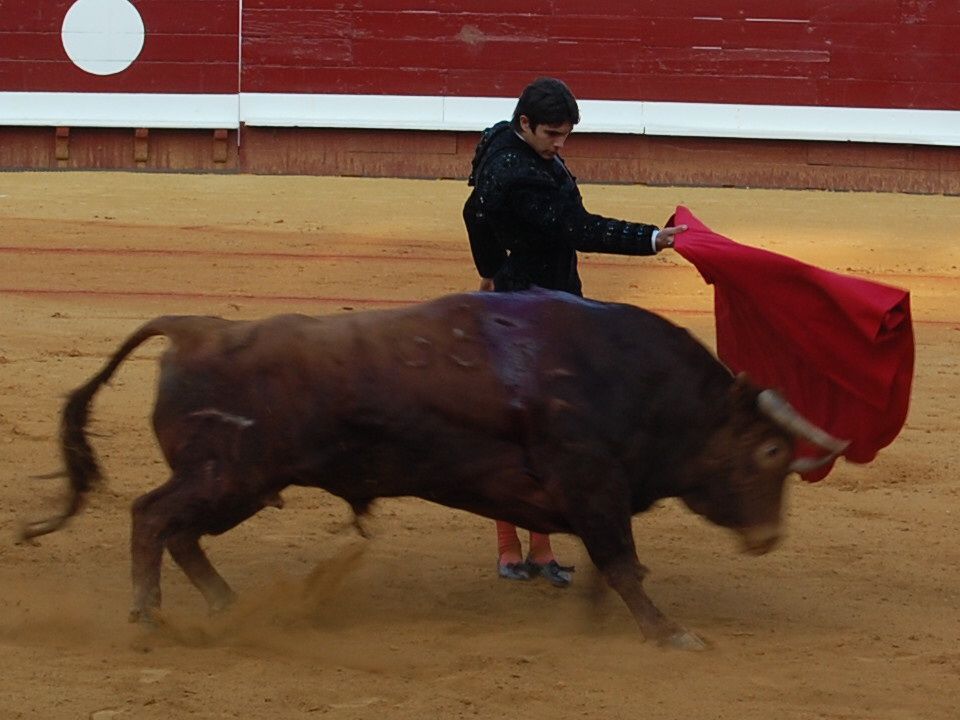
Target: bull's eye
x=771, y=453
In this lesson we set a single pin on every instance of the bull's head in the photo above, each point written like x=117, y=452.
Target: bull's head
x=747, y=462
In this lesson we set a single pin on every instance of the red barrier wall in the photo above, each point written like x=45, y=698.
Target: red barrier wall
x=881, y=54
x=191, y=46
x=863, y=53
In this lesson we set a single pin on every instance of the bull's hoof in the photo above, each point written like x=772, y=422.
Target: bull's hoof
x=223, y=603
x=146, y=617
x=683, y=640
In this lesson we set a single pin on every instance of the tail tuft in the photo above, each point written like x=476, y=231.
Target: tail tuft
x=82, y=468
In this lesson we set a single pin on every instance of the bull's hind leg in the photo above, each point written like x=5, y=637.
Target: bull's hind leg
x=174, y=516
x=187, y=553
x=154, y=516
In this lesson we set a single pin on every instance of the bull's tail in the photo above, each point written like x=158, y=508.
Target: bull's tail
x=82, y=468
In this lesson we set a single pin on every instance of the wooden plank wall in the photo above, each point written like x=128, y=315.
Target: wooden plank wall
x=860, y=53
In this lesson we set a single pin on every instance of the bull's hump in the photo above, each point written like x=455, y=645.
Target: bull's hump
x=455, y=346
x=518, y=329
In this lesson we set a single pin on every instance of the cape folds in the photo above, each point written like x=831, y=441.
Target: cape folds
x=839, y=348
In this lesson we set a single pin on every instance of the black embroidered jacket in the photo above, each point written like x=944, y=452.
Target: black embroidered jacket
x=526, y=220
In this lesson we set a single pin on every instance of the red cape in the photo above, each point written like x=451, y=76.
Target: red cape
x=839, y=348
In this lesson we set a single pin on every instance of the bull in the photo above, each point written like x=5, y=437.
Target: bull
x=558, y=414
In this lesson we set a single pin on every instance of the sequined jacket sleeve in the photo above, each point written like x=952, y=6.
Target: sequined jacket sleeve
x=545, y=201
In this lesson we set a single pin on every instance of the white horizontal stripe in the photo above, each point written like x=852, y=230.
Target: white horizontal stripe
x=420, y=112
x=782, y=122
x=404, y=112
x=134, y=110
x=773, y=122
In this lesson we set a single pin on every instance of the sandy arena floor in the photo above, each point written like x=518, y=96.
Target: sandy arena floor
x=855, y=617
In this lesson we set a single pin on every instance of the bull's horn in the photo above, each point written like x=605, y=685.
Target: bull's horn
x=774, y=406
x=808, y=464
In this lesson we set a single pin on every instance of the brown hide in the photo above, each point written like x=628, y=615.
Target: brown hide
x=427, y=356
x=553, y=412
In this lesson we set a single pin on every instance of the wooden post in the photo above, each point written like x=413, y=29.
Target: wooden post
x=220, y=146
x=141, y=151
x=61, y=149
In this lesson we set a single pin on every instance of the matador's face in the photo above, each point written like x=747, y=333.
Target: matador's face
x=546, y=140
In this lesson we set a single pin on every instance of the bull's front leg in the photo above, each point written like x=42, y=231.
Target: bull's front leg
x=597, y=497
x=590, y=485
x=625, y=575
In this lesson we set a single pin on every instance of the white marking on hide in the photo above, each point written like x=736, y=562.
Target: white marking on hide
x=226, y=417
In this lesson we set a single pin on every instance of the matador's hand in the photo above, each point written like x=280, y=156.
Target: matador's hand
x=666, y=236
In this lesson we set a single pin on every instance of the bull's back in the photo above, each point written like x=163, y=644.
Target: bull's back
x=371, y=366
x=474, y=359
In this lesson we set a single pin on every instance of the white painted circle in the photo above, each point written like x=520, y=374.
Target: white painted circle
x=102, y=37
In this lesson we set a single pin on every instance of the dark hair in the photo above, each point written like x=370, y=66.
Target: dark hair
x=546, y=101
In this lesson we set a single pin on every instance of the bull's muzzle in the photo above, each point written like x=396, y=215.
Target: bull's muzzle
x=760, y=539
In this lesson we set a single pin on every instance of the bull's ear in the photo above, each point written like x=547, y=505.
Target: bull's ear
x=742, y=385
x=743, y=393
